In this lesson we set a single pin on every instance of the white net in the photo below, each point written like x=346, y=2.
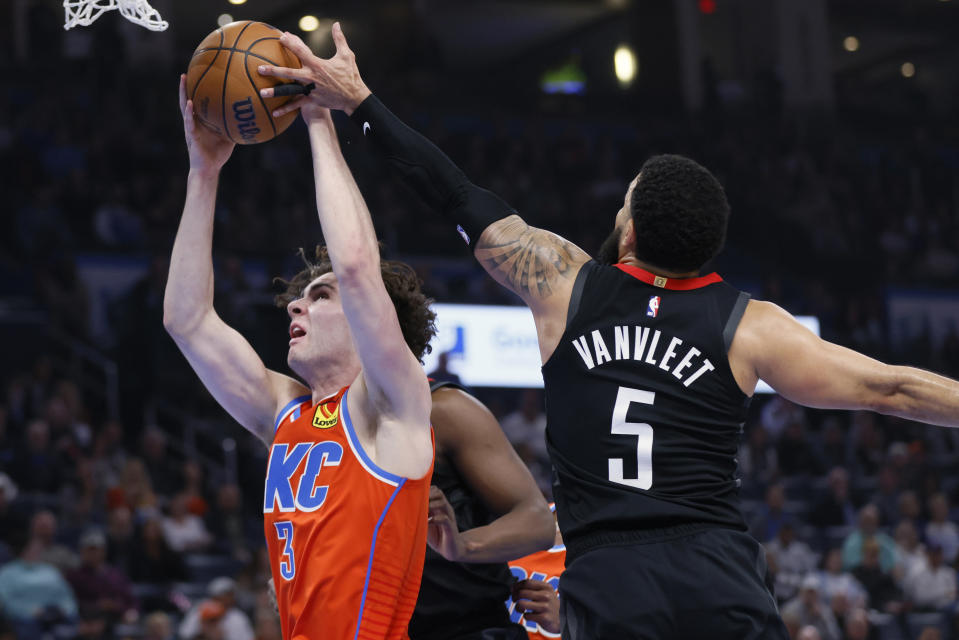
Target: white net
x=84, y=12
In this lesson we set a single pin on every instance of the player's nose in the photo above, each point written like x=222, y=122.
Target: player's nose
x=295, y=307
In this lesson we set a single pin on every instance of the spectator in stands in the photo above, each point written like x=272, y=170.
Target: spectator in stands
x=939, y=530
x=163, y=472
x=757, y=462
x=766, y=524
x=868, y=444
x=33, y=594
x=835, y=509
x=886, y=497
x=36, y=467
x=795, y=452
x=809, y=633
x=835, y=583
x=868, y=529
x=102, y=592
x=910, y=553
x=183, y=530
x=234, y=623
x=230, y=529
x=109, y=456
x=833, y=448
x=211, y=614
x=43, y=535
x=193, y=487
x=7, y=447
x=778, y=414
x=11, y=520
x=884, y=594
x=794, y=559
x=134, y=491
x=526, y=426
x=156, y=562
x=121, y=539
x=157, y=626
x=442, y=371
x=856, y=625
x=807, y=607
x=931, y=585
x=909, y=509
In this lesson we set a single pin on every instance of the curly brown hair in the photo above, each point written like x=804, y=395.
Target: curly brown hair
x=417, y=319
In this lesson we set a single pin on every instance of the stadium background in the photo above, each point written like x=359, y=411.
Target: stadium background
x=832, y=125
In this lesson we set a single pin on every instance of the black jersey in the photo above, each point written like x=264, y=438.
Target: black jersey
x=455, y=597
x=644, y=416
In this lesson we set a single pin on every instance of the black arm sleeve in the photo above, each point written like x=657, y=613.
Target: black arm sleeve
x=431, y=174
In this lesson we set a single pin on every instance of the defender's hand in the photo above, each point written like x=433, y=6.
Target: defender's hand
x=208, y=150
x=336, y=82
x=443, y=535
x=538, y=602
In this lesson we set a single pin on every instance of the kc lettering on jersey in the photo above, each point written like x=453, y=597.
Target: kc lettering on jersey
x=284, y=462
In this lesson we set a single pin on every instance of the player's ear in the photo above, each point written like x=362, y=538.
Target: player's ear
x=627, y=240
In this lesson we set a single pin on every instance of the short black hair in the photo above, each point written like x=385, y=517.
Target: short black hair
x=679, y=212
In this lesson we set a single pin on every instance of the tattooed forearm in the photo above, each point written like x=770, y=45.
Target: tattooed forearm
x=526, y=260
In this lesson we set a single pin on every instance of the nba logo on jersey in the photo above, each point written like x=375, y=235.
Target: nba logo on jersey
x=653, y=309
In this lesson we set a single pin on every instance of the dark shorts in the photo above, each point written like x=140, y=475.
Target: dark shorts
x=684, y=584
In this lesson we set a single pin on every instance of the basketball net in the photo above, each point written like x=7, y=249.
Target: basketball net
x=84, y=12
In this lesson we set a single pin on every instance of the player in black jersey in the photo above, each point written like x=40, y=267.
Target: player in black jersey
x=648, y=367
x=485, y=508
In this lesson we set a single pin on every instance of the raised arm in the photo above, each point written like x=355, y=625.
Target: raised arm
x=221, y=357
x=394, y=382
x=468, y=433
x=537, y=265
x=770, y=344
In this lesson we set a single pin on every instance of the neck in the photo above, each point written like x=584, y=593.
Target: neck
x=329, y=385
x=631, y=260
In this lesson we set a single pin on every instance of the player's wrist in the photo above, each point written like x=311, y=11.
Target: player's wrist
x=356, y=98
x=204, y=171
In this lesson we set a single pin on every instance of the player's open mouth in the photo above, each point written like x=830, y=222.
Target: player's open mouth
x=296, y=331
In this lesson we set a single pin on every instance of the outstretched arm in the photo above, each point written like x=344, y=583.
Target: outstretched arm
x=471, y=437
x=394, y=384
x=537, y=265
x=770, y=344
x=221, y=357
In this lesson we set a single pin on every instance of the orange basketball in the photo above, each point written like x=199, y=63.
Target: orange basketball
x=225, y=87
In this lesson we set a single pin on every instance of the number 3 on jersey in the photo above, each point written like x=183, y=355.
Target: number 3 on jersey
x=644, y=439
x=284, y=532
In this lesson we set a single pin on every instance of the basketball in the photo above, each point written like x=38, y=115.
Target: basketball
x=225, y=87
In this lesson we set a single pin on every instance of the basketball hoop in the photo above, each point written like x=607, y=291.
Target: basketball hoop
x=84, y=12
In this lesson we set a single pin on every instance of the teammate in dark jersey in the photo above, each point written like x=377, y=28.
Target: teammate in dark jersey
x=485, y=508
x=648, y=368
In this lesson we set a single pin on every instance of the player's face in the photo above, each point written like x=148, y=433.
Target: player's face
x=611, y=251
x=319, y=333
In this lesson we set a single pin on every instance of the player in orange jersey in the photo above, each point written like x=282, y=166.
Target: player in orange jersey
x=351, y=450
x=535, y=600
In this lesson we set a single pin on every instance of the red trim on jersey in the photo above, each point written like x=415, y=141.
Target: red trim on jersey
x=674, y=284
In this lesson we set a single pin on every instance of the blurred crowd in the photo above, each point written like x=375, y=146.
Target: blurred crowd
x=108, y=528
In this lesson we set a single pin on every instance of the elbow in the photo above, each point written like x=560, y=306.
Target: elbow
x=179, y=324
x=542, y=526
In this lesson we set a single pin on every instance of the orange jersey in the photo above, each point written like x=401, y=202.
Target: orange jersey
x=346, y=538
x=546, y=566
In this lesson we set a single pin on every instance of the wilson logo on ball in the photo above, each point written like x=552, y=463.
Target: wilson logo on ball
x=246, y=118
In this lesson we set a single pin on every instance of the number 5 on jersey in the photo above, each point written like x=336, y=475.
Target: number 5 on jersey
x=644, y=439
x=284, y=532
